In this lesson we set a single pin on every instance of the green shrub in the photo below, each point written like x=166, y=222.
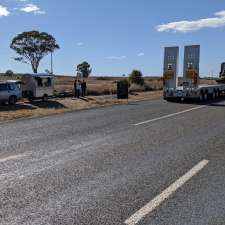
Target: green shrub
x=136, y=77
x=9, y=73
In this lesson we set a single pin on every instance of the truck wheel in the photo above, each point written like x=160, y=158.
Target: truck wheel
x=214, y=95
x=12, y=100
x=201, y=97
x=205, y=96
x=217, y=94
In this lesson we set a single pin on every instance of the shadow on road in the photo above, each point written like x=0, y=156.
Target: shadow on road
x=18, y=106
x=48, y=105
x=217, y=104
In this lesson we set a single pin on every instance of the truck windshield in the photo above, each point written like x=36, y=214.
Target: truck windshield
x=3, y=87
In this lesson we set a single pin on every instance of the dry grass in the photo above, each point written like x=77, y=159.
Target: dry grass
x=96, y=86
x=56, y=106
x=105, y=85
x=100, y=91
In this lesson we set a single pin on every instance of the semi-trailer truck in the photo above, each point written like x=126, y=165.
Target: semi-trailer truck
x=190, y=87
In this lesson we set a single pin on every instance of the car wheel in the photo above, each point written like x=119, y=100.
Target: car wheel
x=12, y=100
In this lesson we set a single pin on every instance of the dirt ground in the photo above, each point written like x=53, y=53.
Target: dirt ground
x=61, y=105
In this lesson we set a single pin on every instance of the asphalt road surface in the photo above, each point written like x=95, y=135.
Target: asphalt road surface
x=148, y=163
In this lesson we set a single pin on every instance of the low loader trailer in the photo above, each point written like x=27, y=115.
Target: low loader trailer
x=200, y=93
x=190, y=87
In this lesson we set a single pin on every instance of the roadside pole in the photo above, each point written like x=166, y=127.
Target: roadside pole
x=51, y=63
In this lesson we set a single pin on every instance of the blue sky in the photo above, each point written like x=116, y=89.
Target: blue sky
x=116, y=36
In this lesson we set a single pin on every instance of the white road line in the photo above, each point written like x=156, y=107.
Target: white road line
x=168, y=116
x=13, y=157
x=153, y=204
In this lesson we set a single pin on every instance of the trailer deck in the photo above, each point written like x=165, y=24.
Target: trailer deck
x=202, y=92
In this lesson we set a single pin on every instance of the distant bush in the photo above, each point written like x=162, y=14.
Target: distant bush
x=9, y=73
x=136, y=77
x=84, y=69
x=103, y=78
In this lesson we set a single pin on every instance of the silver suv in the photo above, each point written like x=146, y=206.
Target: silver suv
x=10, y=91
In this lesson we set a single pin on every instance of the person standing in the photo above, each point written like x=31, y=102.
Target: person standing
x=78, y=88
x=83, y=88
x=75, y=88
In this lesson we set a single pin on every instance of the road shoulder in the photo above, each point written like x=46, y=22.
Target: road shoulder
x=24, y=110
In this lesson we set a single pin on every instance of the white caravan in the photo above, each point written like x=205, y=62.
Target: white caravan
x=37, y=86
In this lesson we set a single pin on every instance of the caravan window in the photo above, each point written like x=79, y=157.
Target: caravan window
x=39, y=81
x=47, y=82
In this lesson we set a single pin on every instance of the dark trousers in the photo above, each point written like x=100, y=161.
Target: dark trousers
x=75, y=92
x=83, y=92
x=78, y=93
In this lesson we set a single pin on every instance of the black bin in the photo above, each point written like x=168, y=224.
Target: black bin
x=122, y=89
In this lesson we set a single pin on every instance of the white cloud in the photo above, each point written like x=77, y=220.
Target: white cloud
x=80, y=43
x=3, y=11
x=117, y=57
x=31, y=8
x=188, y=26
x=141, y=54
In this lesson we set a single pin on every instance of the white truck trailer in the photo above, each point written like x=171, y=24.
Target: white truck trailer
x=190, y=87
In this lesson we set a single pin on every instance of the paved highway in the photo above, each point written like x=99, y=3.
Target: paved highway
x=148, y=163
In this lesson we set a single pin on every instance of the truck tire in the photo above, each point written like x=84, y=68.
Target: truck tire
x=206, y=96
x=12, y=100
x=201, y=97
x=217, y=94
x=214, y=95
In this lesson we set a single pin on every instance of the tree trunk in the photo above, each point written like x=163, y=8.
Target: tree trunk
x=34, y=69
